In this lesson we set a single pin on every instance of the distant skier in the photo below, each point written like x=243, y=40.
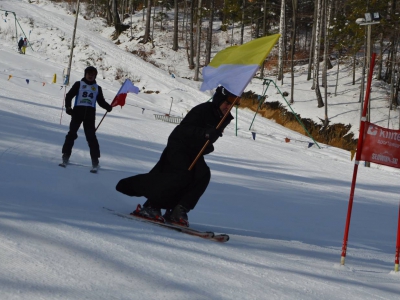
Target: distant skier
x=24, y=45
x=20, y=44
x=86, y=93
x=170, y=185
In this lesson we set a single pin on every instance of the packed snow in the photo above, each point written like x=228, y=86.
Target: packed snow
x=283, y=205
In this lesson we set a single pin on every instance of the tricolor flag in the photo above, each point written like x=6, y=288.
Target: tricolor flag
x=235, y=66
x=126, y=88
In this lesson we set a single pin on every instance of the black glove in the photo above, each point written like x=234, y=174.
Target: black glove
x=212, y=135
x=69, y=111
x=109, y=109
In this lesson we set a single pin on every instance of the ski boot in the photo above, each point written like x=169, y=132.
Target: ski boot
x=177, y=216
x=149, y=213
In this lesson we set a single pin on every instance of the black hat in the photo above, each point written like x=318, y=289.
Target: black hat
x=90, y=69
x=221, y=95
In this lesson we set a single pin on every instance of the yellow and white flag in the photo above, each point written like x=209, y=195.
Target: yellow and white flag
x=235, y=66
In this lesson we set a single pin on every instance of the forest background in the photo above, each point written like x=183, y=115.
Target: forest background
x=314, y=33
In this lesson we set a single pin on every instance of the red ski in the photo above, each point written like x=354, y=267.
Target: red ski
x=209, y=235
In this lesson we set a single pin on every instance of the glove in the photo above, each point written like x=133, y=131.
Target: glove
x=109, y=109
x=69, y=111
x=212, y=135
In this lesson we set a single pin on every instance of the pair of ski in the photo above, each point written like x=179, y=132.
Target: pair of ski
x=209, y=235
x=92, y=170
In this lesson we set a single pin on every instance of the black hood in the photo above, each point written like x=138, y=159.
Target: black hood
x=221, y=95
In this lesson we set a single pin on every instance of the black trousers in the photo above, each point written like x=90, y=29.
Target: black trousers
x=87, y=117
x=170, y=182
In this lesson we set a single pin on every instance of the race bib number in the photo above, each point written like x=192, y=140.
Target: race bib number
x=87, y=95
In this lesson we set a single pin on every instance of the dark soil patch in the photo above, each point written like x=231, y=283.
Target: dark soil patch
x=337, y=135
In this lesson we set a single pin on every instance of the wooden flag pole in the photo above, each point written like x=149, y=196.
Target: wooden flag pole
x=208, y=141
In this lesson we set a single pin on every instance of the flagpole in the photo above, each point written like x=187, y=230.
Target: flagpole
x=208, y=141
x=101, y=121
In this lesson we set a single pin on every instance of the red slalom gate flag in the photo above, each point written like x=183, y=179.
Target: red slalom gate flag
x=381, y=145
x=126, y=88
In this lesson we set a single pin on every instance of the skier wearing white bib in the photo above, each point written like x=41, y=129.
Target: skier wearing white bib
x=87, y=93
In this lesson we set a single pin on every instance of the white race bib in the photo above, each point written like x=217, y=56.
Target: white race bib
x=87, y=95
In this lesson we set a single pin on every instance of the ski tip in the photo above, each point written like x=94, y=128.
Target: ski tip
x=221, y=238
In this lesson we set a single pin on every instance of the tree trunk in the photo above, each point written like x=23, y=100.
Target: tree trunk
x=264, y=28
x=242, y=27
x=317, y=55
x=153, y=23
x=326, y=46
x=312, y=46
x=292, y=47
x=175, y=45
x=119, y=27
x=337, y=73
x=209, y=33
x=281, y=43
x=198, y=41
x=108, y=14
x=354, y=69
x=146, y=36
x=379, y=75
x=191, y=57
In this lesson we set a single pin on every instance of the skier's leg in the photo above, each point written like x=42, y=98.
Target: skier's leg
x=200, y=180
x=90, y=133
x=71, y=136
x=163, y=184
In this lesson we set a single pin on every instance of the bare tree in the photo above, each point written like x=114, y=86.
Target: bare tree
x=312, y=46
x=146, y=36
x=326, y=11
x=198, y=41
x=191, y=56
x=281, y=40
x=292, y=47
x=242, y=25
x=175, y=45
x=317, y=54
x=264, y=28
x=209, y=33
x=119, y=27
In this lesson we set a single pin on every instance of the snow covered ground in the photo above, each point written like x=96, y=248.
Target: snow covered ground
x=283, y=204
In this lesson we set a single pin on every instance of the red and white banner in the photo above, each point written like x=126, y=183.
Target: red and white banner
x=381, y=145
x=126, y=88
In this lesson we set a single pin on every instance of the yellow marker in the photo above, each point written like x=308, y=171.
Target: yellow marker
x=54, y=78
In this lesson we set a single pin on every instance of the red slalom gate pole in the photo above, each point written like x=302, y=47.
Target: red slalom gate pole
x=396, y=258
x=357, y=160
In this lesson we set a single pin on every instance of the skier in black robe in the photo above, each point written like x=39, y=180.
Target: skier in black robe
x=170, y=185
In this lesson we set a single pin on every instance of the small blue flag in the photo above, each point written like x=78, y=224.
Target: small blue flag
x=27, y=81
x=254, y=135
